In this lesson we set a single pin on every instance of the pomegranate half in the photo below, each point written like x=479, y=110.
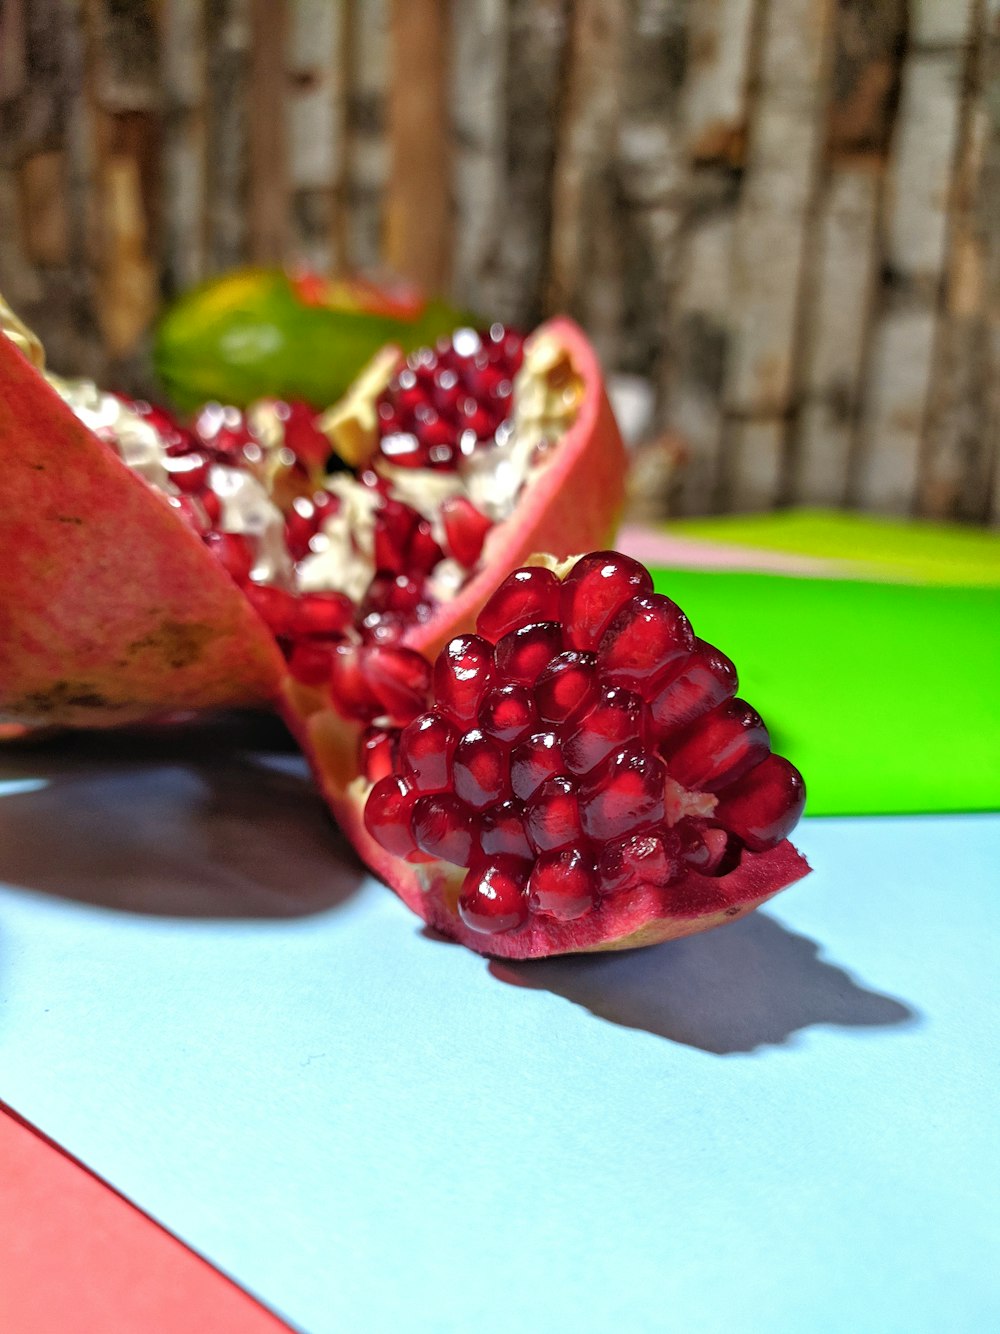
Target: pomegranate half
x=112, y=606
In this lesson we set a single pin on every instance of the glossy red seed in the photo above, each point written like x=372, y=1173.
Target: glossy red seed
x=426, y=747
x=442, y=827
x=566, y=687
x=563, y=885
x=705, y=679
x=523, y=598
x=189, y=472
x=647, y=636
x=404, y=450
x=446, y=392
x=395, y=525
x=532, y=762
x=300, y=527
x=388, y=812
x=234, y=553
x=465, y=529
x=764, y=806
x=501, y=830
x=423, y=552
x=507, y=713
x=522, y=655
x=275, y=606
x=349, y=683
x=479, y=770
x=390, y=592
x=378, y=751
x=476, y=417
x=552, y=816
x=382, y=627
x=400, y=680
x=595, y=589
x=651, y=858
x=626, y=794
x=615, y=719
x=311, y=664
x=462, y=672
x=303, y=437
x=493, y=896
x=719, y=748
x=322, y=614
x=702, y=848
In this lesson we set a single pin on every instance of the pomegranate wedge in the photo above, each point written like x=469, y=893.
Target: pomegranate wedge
x=109, y=608
x=545, y=799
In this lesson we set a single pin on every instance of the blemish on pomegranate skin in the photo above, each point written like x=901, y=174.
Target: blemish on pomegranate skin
x=65, y=695
x=180, y=643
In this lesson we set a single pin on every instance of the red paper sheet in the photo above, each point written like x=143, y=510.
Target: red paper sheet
x=75, y=1255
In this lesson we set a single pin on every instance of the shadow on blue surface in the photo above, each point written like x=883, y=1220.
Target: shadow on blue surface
x=748, y=985
x=174, y=821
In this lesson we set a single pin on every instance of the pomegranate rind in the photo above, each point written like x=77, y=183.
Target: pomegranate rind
x=572, y=504
x=111, y=608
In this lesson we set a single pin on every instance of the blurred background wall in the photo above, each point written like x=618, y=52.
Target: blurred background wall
x=784, y=213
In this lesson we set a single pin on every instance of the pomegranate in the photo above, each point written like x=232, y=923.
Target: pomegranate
x=536, y=757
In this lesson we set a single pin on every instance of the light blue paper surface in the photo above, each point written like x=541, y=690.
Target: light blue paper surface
x=789, y=1124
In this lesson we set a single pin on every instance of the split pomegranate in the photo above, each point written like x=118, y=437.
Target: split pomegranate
x=547, y=798
x=536, y=761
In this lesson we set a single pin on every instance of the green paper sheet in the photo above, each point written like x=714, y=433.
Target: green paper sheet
x=884, y=695
x=907, y=550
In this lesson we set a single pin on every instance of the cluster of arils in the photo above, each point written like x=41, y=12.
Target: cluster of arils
x=581, y=744
x=339, y=559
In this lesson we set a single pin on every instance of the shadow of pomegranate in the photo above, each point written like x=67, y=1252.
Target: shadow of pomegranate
x=749, y=985
x=213, y=820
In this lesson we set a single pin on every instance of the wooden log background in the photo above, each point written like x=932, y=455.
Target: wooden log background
x=785, y=214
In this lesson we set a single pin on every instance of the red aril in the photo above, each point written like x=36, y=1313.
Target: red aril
x=594, y=591
x=524, y=598
x=552, y=816
x=377, y=753
x=426, y=747
x=508, y=712
x=563, y=884
x=721, y=748
x=442, y=827
x=706, y=678
x=494, y=896
x=478, y=771
x=764, y=806
x=462, y=674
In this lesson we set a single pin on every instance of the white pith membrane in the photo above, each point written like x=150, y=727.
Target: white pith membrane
x=546, y=396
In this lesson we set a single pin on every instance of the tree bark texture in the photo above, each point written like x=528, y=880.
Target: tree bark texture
x=784, y=214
